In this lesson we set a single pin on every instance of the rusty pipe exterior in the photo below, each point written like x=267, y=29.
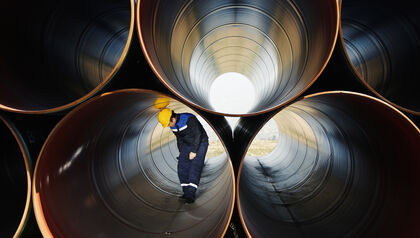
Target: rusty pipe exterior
x=57, y=54
x=345, y=164
x=16, y=177
x=109, y=169
x=281, y=46
x=380, y=40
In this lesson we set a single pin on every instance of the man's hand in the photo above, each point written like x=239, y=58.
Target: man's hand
x=192, y=155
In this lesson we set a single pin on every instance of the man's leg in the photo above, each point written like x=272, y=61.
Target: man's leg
x=184, y=165
x=196, y=168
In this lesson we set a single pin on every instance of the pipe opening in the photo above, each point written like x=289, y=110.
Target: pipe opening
x=381, y=39
x=56, y=53
x=232, y=93
x=266, y=141
x=117, y=174
x=16, y=181
x=345, y=165
x=280, y=46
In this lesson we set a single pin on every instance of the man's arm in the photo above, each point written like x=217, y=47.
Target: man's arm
x=178, y=143
x=193, y=123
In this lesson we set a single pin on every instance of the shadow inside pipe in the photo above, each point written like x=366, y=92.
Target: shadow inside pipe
x=344, y=165
x=280, y=46
x=110, y=169
x=54, y=53
x=381, y=39
x=15, y=180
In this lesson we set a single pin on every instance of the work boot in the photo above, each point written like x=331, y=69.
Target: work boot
x=189, y=200
x=186, y=199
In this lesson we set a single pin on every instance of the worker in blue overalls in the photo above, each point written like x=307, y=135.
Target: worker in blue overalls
x=192, y=141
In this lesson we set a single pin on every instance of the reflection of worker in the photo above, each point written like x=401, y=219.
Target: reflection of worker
x=192, y=141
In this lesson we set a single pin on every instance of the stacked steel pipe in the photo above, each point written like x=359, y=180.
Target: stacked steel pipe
x=16, y=177
x=118, y=169
x=345, y=164
x=336, y=79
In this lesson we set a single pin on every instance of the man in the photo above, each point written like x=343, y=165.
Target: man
x=192, y=141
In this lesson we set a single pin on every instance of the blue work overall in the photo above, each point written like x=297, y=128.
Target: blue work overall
x=189, y=171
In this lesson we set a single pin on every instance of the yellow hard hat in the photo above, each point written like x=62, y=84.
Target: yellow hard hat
x=161, y=102
x=164, y=116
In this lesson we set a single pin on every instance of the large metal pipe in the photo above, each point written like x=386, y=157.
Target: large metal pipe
x=56, y=54
x=345, y=165
x=108, y=169
x=381, y=44
x=281, y=46
x=16, y=177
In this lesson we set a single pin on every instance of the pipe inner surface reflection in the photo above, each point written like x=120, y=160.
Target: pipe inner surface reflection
x=15, y=178
x=58, y=53
x=381, y=40
x=345, y=165
x=110, y=169
x=280, y=46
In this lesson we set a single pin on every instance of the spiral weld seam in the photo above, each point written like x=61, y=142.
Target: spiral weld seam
x=146, y=179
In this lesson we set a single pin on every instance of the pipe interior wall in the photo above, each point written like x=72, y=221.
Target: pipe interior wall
x=110, y=169
x=381, y=39
x=56, y=53
x=280, y=46
x=15, y=178
x=344, y=165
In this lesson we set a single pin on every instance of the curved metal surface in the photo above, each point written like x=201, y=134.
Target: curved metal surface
x=109, y=170
x=56, y=54
x=381, y=42
x=346, y=165
x=281, y=46
x=16, y=181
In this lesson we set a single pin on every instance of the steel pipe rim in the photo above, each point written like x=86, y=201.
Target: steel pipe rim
x=160, y=73
x=25, y=156
x=79, y=99
x=359, y=76
x=45, y=220
x=410, y=129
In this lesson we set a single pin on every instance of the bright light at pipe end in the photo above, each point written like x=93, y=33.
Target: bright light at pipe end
x=232, y=93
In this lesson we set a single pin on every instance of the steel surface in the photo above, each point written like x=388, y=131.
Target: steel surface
x=381, y=42
x=57, y=54
x=110, y=169
x=16, y=177
x=345, y=164
x=281, y=46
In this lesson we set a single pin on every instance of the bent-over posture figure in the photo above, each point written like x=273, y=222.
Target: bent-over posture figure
x=192, y=141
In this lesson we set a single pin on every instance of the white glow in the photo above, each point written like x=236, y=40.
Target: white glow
x=68, y=163
x=232, y=121
x=232, y=93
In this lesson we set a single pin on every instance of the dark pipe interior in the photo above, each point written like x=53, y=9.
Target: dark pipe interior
x=53, y=53
x=15, y=180
x=382, y=43
x=345, y=165
x=109, y=169
x=280, y=46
